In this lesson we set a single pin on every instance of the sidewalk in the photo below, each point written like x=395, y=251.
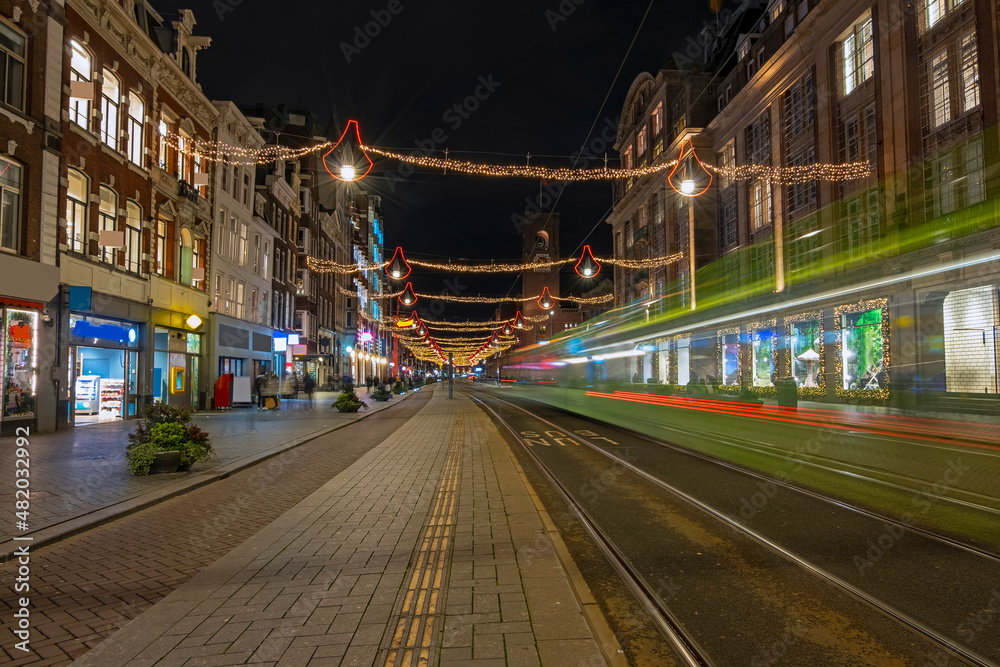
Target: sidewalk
x=79, y=478
x=428, y=549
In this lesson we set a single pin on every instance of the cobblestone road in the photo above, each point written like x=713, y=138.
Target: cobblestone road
x=90, y=585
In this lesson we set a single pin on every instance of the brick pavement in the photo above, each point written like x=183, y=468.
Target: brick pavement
x=79, y=477
x=428, y=546
x=86, y=587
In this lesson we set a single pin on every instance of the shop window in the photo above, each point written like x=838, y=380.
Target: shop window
x=862, y=348
x=81, y=73
x=762, y=348
x=10, y=205
x=12, y=59
x=133, y=237
x=20, y=370
x=805, y=350
x=136, y=124
x=111, y=100
x=729, y=359
x=77, y=196
x=970, y=340
x=107, y=221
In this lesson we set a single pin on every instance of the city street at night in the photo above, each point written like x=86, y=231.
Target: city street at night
x=566, y=333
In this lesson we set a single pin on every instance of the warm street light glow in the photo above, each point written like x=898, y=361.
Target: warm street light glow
x=408, y=298
x=687, y=186
x=347, y=172
x=399, y=268
x=587, y=267
x=194, y=321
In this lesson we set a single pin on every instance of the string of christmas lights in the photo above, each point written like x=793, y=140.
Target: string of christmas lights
x=645, y=263
x=492, y=267
x=527, y=171
x=796, y=174
x=214, y=151
x=329, y=266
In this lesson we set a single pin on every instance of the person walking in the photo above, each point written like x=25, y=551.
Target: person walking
x=258, y=387
x=310, y=386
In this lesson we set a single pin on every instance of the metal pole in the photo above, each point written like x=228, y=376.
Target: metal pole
x=451, y=373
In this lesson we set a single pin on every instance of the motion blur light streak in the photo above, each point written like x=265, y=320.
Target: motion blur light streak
x=726, y=408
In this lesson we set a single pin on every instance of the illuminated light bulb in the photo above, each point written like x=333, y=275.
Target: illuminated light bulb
x=687, y=186
x=519, y=320
x=545, y=301
x=507, y=329
x=408, y=298
x=347, y=172
x=587, y=267
x=399, y=268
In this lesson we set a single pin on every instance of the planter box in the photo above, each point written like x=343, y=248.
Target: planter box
x=349, y=408
x=165, y=462
x=381, y=399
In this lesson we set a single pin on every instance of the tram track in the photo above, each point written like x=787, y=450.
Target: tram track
x=940, y=642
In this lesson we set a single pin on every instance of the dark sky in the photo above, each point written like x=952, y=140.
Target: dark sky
x=553, y=60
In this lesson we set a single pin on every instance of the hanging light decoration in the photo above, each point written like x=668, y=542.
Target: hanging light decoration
x=422, y=330
x=545, y=301
x=408, y=298
x=506, y=329
x=688, y=185
x=398, y=267
x=587, y=267
x=343, y=157
x=519, y=321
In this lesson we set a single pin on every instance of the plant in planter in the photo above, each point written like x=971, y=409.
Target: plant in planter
x=165, y=441
x=348, y=401
x=398, y=388
x=381, y=394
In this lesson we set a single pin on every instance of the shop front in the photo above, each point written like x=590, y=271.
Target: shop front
x=20, y=364
x=863, y=358
x=239, y=348
x=177, y=367
x=104, y=367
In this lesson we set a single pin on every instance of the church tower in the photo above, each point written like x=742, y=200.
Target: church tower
x=540, y=242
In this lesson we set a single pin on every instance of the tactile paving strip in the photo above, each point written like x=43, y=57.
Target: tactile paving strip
x=419, y=615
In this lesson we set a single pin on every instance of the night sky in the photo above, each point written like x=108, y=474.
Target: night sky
x=548, y=66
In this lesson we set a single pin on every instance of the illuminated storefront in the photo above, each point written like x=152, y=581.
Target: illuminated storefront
x=804, y=335
x=176, y=367
x=863, y=358
x=763, y=344
x=103, y=369
x=20, y=365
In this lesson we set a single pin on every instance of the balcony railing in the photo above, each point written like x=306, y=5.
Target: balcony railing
x=188, y=191
x=640, y=235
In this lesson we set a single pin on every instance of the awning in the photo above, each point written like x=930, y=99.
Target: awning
x=20, y=303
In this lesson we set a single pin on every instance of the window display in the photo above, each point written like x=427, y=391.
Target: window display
x=729, y=353
x=20, y=362
x=864, y=350
x=805, y=351
x=762, y=350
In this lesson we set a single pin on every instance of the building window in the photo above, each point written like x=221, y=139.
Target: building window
x=182, y=158
x=111, y=100
x=941, y=103
x=263, y=308
x=81, y=71
x=77, y=195
x=12, y=56
x=776, y=10
x=133, y=237
x=657, y=119
x=254, y=306
x=627, y=158
x=804, y=246
x=933, y=11
x=956, y=179
x=218, y=292
x=760, y=205
x=860, y=231
x=730, y=219
x=263, y=260
x=136, y=114
x=10, y=206
x=256, y=254
x=196, y=252
x=225, y=175
x=858, y=55
x=162, y=128
x=230, y=286
x=727, y=161
x=246, y=189
x=233, y=244
x=799, y=105
x=244, y=245
x=107, y=215
x=240, y=295
x=641, y=141
x=161, y=247
x=236, y=183
x=970, y=72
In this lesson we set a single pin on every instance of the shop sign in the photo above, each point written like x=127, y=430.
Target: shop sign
x=109, y=332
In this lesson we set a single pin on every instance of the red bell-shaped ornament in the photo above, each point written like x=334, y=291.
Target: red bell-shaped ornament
x=587, y=267
x=545, y=300
x=506, y=329
x=398, y=268
x=408, y=298
x=690, y=182
x=519, y=321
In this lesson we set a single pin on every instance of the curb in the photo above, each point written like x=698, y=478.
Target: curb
x=73, y=525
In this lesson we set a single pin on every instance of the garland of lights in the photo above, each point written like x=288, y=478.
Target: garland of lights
x=492, y=267
x=329, y=266
x=603, y=298
x=790, y=321
x=860, y=307
x=645, y=263
x=215, y=151
x=848, y=171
